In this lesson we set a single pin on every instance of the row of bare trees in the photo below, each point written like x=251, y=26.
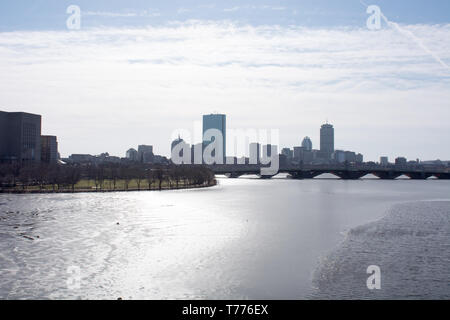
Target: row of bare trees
x=106, y=176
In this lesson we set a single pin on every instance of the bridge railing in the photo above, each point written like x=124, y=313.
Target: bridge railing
x=254, y=168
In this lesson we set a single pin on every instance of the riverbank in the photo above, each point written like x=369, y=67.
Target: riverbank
x=89, y=187
x=109, y=177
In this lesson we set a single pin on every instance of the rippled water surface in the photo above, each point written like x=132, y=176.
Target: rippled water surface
x=245, y=238
x=411, y=245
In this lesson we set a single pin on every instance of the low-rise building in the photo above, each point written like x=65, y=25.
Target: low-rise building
x=401, y=161
x=132, y=154
x=145, y=154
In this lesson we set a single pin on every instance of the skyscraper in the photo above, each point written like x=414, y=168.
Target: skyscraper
x=20, y=137
x=307, y=144
x=327, y=139
x=218, y=122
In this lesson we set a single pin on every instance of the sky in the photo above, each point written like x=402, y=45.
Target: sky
x=139, y=72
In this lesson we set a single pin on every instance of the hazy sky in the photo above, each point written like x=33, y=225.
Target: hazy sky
x=137, y=71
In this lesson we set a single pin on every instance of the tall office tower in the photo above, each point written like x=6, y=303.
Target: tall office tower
x=20, y=137
x=254, y=153
x=145, y=153
x=49, y=149
x=327, y=139
x=307, y=144
x=218, y=122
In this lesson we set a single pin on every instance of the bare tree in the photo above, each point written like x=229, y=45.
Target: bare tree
x=41, y=173
x=150, y=177
x=72, y=176
x=140, y=175
x=54, y=176
x=65, y=177
x=25, y=177
x=159, y=174
x=126, y=176
x=114, y=175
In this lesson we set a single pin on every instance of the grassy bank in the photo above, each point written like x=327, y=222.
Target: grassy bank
x=103, y=177
x=89, y=185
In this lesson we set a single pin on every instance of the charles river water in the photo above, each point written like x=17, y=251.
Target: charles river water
x=242, y=239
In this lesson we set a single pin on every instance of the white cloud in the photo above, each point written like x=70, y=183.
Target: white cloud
x=262, y=7
x=144, y=13
x=231, y=9
x=183, y=10
x=109, y=14
x=206, y=6
x=110, y=89
x=276, y=8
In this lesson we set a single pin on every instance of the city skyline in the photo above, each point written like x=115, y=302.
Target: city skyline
x=387, y=90
x=325, y=147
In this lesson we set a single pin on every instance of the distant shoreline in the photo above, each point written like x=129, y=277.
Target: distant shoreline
x=93, y=190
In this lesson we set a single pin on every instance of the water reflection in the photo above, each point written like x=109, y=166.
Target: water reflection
x=245, y=238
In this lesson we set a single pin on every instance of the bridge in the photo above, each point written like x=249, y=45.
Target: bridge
x=346, y=172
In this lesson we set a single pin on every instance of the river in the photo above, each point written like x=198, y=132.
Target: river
x=242, y=239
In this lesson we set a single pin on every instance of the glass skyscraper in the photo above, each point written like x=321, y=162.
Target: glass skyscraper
x=215, y=121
